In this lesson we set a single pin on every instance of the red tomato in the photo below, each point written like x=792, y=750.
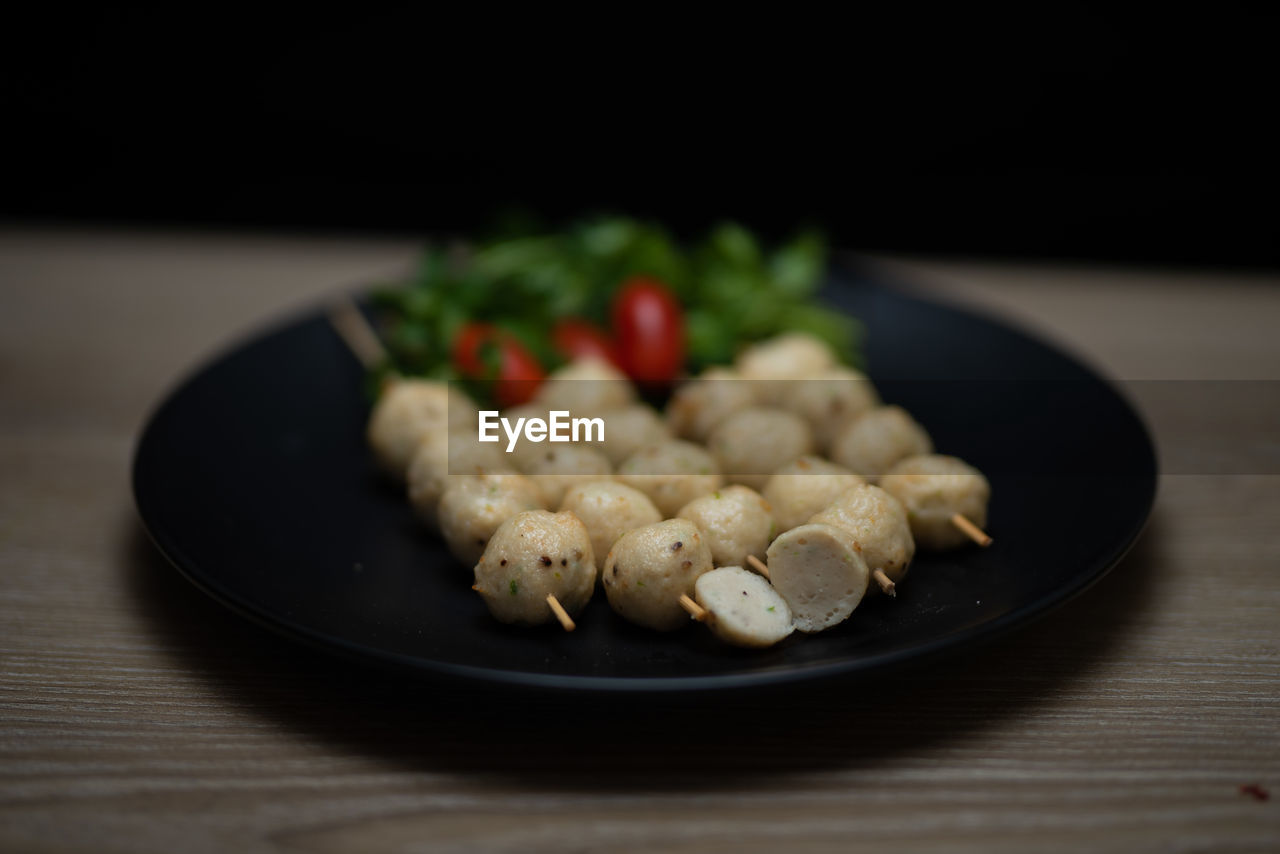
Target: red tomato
x=649, y=328
x=580, y=339
x=467, y=345
x=515, y=372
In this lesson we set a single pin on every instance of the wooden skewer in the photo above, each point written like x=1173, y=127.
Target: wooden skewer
x=356, y=332
x=561, y=614
x=695, y=610
x=886, y=583
x=759, y=566
x=971, y=530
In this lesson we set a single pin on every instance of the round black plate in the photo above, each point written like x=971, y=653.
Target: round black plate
x=253, y=478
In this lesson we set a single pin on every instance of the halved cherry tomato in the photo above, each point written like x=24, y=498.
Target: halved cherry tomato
x=481, y=351
x=581, y=339
x=649, y=328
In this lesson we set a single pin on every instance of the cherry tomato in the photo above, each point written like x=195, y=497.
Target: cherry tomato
x=649, y=328
x=482, y=351
x=467, y=347
x=579, y=339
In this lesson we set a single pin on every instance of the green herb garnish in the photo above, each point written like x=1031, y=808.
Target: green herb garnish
x=733, y=292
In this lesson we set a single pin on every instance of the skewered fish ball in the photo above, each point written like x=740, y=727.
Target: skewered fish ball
x=441, y=458
x=525, y=451
x=700, y=405
x=609, y=510
x=830, y=400
x=561, y=466
x=585, y=387
x=744, y=609
x=875, y=441
x=649, y=568
x=406, y=411
x=533, y=555
x=934, y=488
x=472, y=508
x=629, y=429
x=805, y=487
x=755, y=442
x=820, y=572
x=878, y=523
x=464, y=414
x=672, y=473
x=771, y=365
x=736, y=522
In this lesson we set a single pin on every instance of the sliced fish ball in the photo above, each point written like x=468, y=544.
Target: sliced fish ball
x=820, y=572
x=878, y=523
x=745, y=609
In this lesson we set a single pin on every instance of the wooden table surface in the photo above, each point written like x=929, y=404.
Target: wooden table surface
x=137, y=715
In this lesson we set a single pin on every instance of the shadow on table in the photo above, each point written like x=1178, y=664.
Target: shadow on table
x=678, y=742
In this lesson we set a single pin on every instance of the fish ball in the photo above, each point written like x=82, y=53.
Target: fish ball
x=609, y=510
x=472, y=508
x=736, y=522
x=672, y=473
x=530, y=556
x=700, y=405
x=804, y=487
x=756, y=442
x=875, y=441
x=649, y=568
x=830, y=401
x=933, y=488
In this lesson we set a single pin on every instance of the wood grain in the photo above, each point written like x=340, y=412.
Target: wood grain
x=136, y=715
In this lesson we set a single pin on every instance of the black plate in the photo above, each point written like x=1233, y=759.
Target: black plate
x=254, y=480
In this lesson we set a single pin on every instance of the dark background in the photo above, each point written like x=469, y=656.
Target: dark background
x=1066, y=134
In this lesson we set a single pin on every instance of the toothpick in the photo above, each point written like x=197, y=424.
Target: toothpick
x=356, y=333
x=695, y=610
x=886, y=584
x=758, y=565
x=971, y=530
x=561, y=614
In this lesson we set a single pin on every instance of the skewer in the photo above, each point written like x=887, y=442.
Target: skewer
x=758, y=565
x=971, y=530
x=561, y=614
x=695, y=610
x=886, y=583
x=356, y=333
